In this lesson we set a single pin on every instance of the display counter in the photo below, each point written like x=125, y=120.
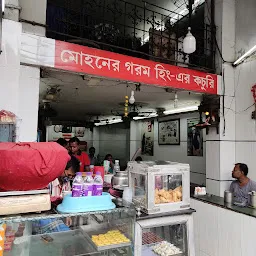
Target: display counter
x=221, y=229
x=93, y=233
x=169, y=233
x=219, y=201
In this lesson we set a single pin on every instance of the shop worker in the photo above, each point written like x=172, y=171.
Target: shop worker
x=56, y=187
x=74, y=144
x=63, y=182
x=109, y=158
x=93, y=159
x=63, y=143
x=242, y=185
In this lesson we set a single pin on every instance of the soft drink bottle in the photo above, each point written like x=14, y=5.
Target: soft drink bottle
x=88, y=185
x=98, y=184
x=77, y=186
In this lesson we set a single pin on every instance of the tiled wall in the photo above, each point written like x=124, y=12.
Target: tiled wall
x=177, y=153
x=245, y=145
x=221, y=232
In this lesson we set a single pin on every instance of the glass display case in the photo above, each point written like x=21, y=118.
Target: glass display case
x=160, y=186
x=165, y=236
x=95, y=233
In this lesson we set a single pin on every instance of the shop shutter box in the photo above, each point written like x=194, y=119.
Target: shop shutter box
x=30, y=166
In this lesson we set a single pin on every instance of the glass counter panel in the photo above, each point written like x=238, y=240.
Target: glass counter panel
x=171, y=239
x=168, y=188
x=71, y=236
x=139, y=184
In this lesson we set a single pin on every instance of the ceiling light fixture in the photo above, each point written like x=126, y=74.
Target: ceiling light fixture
x=3, y=5
x=132, y=99
x=144, y=117
x=245, y=56
x=189, y=43
x=181, y=110
x=105, y=122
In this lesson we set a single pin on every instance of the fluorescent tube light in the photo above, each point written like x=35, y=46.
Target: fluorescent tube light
x=181, y=110
x=144, y=117
x=244, y=56
x=3, y=5
x=115, y=121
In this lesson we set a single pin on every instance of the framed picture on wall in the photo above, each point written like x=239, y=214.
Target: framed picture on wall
x=147, y=138
x=169, y=132
x=194, y=138
x=79, y=131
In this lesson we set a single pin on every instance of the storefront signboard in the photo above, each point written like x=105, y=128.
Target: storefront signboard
x=82, y=59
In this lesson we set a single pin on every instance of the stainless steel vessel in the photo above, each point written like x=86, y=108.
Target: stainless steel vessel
x=120, y=179
x=253, y=199
x=228, y=197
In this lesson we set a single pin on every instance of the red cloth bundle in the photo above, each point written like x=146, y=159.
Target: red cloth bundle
x=31, y=165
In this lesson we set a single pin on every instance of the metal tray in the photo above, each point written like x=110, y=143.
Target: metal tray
x=107, y=247
x=148, y=251
x=22, y=193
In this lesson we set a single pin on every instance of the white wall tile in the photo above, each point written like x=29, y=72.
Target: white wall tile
x=229, y=233
x=248, y=234
x=224, y=185
x=227, y=159
x=208, y=233
x=10, y=65
x=213, y=187
x=213, y=160
x=228, y=120
x=245, y=153
x=28, y=103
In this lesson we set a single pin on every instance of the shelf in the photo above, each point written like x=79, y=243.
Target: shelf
x=52, y=215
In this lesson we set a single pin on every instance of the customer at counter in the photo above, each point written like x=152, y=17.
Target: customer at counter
x=75, y=150
x=93, y=159
x=243, y=185
x=109, y=158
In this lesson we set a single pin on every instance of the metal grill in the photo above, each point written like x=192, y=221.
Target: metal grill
x=141, y=30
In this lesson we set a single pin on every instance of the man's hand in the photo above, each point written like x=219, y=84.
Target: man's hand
x=68, y=221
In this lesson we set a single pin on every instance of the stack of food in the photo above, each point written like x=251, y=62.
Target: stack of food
x=166, y=249
x=168, y=196
x=150, y=238
x=112, y=237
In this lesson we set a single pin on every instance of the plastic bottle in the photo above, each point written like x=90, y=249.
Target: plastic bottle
x=92, y=168
x=77, y=186
x=98, y=184
x=116, y=167
x=88, y=185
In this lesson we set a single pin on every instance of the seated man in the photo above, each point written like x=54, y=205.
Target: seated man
x=62, y=183
x=242, y=185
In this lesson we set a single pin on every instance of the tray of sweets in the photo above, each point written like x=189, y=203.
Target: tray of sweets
x=109, y=240
x=150, y=238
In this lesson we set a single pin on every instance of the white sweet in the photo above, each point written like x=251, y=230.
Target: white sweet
x=166, y=249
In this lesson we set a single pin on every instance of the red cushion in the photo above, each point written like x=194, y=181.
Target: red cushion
x=30, y=166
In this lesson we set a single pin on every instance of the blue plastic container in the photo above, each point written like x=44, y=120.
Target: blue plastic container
x=86, y=204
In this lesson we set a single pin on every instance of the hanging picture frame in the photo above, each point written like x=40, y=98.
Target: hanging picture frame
x=169, y=132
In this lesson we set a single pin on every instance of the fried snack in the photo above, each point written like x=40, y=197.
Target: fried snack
x=168, y=196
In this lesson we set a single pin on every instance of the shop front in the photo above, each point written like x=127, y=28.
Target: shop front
x=89, y=90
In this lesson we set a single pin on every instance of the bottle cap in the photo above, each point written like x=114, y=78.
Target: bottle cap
x=79, y=173
x=89, y=174
x=98, y=173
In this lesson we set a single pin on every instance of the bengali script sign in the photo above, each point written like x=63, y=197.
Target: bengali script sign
x=92, y=61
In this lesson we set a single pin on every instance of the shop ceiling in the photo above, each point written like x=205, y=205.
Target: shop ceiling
x=79, y=96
